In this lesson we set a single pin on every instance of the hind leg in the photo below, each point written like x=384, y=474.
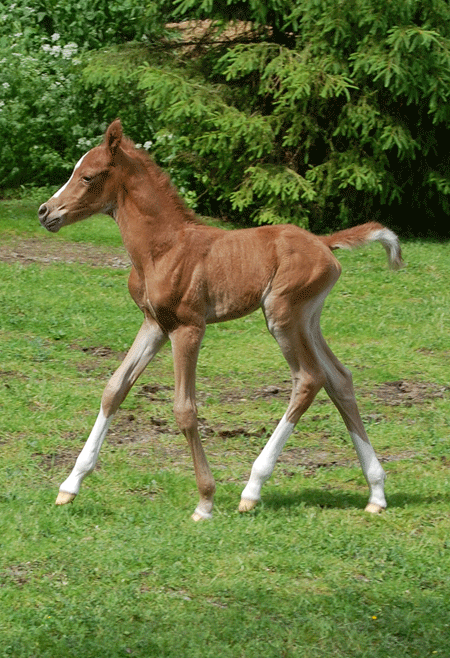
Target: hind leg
x=339, y=387
x=307, y=379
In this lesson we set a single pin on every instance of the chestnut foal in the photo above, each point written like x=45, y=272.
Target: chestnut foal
x=186, y=275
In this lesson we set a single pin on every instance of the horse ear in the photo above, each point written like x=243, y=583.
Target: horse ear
x=113, y=136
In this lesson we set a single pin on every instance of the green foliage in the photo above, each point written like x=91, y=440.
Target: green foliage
x=322, y=112
x=89, y=23
x=46, y=117
x=316, y=112
x=38, y=122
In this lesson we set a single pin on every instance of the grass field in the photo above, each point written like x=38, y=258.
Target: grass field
x=124, y=571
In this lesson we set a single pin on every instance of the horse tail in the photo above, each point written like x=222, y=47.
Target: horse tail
x=363, y=234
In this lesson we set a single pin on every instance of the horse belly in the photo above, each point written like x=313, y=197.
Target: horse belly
x=222, y=307
x=236, y=283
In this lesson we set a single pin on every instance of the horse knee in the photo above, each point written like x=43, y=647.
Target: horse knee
x=185, y=416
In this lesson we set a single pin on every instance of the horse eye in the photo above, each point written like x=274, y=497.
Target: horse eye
x=86, y=179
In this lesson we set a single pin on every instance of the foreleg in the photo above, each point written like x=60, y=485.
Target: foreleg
x=147, y=343
x=185, y=346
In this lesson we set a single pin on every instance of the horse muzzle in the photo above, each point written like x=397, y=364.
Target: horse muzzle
x=50, y=219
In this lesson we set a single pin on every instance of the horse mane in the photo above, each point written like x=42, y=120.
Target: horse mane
x=161, y=180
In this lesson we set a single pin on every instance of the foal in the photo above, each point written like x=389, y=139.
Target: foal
x=186, y=275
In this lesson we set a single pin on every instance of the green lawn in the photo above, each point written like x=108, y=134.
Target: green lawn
x=124, y=571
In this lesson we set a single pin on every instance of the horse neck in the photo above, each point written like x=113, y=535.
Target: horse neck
x=149, y=215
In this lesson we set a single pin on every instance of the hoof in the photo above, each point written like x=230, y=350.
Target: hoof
x=246, y=505
x=199, y=517
x=373, y=508
x=64, y=498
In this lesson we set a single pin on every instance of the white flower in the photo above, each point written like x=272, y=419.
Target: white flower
x=55, y=36
x=6, y=85
x=69, y=50
x=148, y=145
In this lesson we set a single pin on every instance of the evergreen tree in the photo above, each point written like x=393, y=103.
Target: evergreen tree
x=318, y=112
x=323, y=113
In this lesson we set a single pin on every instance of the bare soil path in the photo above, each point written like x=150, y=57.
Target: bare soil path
x=47, y=252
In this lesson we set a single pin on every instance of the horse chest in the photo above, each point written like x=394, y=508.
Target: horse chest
x=172, y=300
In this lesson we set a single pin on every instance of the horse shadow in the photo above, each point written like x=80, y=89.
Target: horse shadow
x=338, y=499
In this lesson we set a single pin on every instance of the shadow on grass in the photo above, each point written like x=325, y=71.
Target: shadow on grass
x=346, y=500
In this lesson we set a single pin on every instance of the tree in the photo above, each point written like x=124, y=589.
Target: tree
x=46, y=115
x=318, y=111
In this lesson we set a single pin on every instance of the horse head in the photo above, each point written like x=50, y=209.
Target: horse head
x=92, y=187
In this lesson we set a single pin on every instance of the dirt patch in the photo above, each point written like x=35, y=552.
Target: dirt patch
x=155, y=392
x=282, y=390
x=7, y=375
x=152, y=439
x=310, y=460
x=128, y=428
x=313, y=459
x=46, y=252
x=98, y=355
x=19, y=575
x=156, y=443
x=406, y=394
x=60, y=460
x=102, y=351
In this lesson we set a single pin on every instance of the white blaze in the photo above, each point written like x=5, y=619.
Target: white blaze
x=61, y=189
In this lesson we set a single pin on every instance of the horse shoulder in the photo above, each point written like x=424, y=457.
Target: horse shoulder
x=136, y=288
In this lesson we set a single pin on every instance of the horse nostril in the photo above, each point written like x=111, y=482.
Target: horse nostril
x=43, y=211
